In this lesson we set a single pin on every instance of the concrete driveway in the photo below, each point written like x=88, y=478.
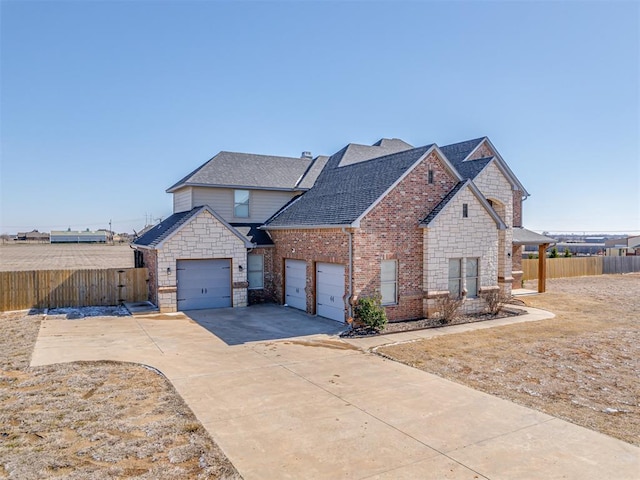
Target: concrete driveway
x=314, y=406
x=258, y=323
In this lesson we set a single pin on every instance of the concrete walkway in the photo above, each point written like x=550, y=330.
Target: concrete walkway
x=319, y=407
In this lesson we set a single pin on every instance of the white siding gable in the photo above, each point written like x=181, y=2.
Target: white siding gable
x=182, y=200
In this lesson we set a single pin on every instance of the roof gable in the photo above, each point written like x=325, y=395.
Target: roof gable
x=343, y=194
x=156, y=236
x=448, y=199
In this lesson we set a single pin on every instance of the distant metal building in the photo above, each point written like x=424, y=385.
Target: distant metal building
x=69, y=236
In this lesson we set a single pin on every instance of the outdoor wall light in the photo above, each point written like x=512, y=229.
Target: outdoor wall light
x=240, y=267
x=168, y=270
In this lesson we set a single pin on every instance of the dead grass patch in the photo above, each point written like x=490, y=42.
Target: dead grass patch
x=89, y=420
x=581, y=366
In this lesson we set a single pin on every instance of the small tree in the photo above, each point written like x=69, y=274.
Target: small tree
x=567, y=253
x=369, y=311
x=554, y=253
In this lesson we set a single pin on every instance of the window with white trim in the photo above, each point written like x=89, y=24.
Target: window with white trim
x=255, y=271
x=389, y=282
x=455, y=277
x=241, y=203
x=471, y=277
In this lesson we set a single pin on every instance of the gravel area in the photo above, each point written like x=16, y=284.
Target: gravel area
x=581, y=366
x=94, y=420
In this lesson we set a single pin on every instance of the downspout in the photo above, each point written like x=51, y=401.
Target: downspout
x=350, y=291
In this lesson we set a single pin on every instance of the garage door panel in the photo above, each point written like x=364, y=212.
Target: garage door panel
x=204, y=284
x=330, y=291
x=295, y=282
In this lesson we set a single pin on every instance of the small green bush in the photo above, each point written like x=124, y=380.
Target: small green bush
x=369, y=311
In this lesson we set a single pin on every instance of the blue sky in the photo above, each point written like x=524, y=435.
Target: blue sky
x=105, y=104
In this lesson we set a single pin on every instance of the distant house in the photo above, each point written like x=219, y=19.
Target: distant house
x=33, y=236
x=410, y=225
x=621, y=247
x=69, y=236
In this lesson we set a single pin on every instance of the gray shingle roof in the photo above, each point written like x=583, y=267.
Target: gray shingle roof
x=356, y=153
x=157, y=234
x=250, y=230
x=312, y=173
x=471, y=168
x=248, y=170
x=457, y=152
x=342, y=193
x=522, y=236
x=443, y=203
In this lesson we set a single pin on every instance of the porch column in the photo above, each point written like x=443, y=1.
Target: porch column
x=542, y=267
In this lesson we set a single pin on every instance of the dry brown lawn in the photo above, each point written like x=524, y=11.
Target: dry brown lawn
x=582, y=366
x=64, y=256
x=94, y=420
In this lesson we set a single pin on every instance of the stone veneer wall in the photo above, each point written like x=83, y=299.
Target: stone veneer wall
x=390, y=231
x=204, y=237
x=494, y=186
x=451, y=236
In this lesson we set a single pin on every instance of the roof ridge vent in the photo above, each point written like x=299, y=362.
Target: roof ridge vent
x=307, y=155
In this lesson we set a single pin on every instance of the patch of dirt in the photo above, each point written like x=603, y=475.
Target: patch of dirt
x=89, y=420
x=581, y=366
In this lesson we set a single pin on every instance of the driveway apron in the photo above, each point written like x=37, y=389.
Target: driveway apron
x=313, y=406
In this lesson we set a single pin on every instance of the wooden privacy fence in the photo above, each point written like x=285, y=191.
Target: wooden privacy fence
x=72, y=288
x=580, y=266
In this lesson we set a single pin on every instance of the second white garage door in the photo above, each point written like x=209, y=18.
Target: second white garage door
x=295, y=281
x=330, y=291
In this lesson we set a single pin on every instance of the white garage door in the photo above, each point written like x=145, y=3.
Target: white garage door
x=295, y=280
x=203, y=284
x=330, y=291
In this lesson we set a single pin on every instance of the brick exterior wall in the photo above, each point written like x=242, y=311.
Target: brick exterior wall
x=266, y=294
x=451, y=236
x=390, y=231
x=312, y=246
x=204, y=237
x=517, y=208
x=516, y=261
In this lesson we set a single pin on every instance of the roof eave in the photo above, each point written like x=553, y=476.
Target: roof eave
x=303, y=227
x=503, y=166
x=236, y=187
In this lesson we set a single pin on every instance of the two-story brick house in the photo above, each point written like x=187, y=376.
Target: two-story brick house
x=408, y=224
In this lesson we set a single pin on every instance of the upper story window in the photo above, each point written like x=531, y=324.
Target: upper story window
x=241, y=203
x=430, y=176
x=389, y=282
x=465, y=210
